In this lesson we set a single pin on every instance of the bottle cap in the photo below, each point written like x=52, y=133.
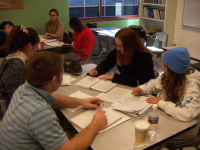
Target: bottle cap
x=155, y=106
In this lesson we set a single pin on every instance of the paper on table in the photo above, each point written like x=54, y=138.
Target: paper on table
x=124, y=118
x=103, y=86
x=83, y=120
x=88, y=81
x=155, y=49
x=54, y=43
x=77, y=94
x=114, y=94
x=66, y=80
x=130, y=103
x=72, y=79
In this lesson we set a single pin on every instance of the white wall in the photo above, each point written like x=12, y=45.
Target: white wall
x=184, y=35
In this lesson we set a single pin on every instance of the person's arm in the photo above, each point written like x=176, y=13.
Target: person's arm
x=84, y=139
x=107, y=63
x=65, y=101
x=190, y=104
x=88, y=44
x=58, y=33
x=141, y=69
x=153, y=86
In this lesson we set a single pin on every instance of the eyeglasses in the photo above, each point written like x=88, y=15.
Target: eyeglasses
x=52, y=15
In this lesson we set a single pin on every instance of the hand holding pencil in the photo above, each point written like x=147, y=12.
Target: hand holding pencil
x=137, y=90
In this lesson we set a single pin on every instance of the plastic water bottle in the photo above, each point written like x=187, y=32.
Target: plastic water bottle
x=153, y=120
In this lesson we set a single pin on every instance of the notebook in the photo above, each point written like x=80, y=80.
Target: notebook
x=96, y=84
x=82, y=120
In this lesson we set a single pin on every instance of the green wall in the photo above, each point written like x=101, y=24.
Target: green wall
x=35, y=15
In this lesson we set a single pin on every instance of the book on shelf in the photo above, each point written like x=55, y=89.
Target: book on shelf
x=82, y=120
x=155, y=1
x=153, y=13
x=96, y=84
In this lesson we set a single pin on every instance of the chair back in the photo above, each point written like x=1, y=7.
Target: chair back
x=104, y=43
x=91, y=25
x=140, y=32
x=161, y=36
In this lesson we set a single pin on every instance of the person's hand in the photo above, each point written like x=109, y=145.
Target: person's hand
x=100, y=119
x=93, y=72
x=45, y=35
x=137, y=91
x=153, y=100
x=67, y=49
x=106, y=77
x=91, y=102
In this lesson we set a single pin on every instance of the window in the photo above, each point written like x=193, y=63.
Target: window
x=90, y=10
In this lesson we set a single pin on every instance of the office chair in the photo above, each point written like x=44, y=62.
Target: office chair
x=141, y=33
x=104, y=45
x=192, y=143
x=161, y=36
x=66, y=38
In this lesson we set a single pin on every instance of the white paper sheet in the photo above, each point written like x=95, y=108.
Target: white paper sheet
x=114, y=94
x=78, y=94
x=54, y=43
x=103, y=86
x=155, y=49
x=66, y=80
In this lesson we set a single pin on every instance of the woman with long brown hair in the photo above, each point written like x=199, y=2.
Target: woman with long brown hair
x=54, y=28
x=21, y=44
x=133, y=60
x=178, y=91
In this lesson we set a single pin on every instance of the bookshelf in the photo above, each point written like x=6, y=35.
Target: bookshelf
x=164, y=24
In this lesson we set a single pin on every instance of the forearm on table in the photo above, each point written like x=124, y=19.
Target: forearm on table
x=78, y=51
x=65, y=101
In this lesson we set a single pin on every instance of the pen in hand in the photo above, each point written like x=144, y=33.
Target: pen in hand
x=138, y=87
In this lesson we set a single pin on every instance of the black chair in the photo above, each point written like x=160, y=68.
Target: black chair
x=140, y=32
x=91, y=25
x=66, y=38
x=104, y=45
x=192, y=143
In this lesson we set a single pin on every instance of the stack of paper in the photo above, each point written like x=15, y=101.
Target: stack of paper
x=96, y=84
x=135, y=106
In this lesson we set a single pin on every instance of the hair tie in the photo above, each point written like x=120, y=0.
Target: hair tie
x=23, y=29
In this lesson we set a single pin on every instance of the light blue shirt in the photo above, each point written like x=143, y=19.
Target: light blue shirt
x=30, y=122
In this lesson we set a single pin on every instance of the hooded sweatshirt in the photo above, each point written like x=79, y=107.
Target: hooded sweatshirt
x=187, y=107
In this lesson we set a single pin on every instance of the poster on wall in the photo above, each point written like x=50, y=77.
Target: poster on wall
x=11, y=4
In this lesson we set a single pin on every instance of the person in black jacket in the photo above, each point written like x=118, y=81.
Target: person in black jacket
x=133, y=60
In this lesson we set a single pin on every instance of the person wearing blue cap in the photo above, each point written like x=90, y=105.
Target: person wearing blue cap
x=178, y=91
